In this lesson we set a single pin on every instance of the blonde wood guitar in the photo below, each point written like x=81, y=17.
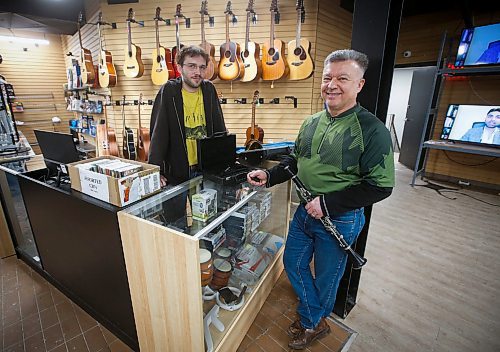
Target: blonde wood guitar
x=212, y=69
x=87, y=66
x=251, y=53
x=107, y=70
x=274, y=65
x=230, y=65
x=299, y=51
x=133, y=66
x=162, y=68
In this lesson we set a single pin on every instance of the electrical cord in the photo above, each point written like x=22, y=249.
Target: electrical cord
x=440, y=189
x=468, y=195
x=460, y=163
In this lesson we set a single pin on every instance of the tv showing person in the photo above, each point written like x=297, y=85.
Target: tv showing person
x=485, y=132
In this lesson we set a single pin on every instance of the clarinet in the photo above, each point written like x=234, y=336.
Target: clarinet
x=359, y=261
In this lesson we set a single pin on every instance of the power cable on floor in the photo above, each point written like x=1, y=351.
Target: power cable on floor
x=439, y=189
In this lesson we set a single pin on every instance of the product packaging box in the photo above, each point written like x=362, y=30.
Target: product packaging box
x=119, y=191
x=204, y=204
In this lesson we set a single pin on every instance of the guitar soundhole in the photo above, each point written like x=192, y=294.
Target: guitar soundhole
x=227, y=54
x=297, y=51
x=158, y=58
x=246, y=53
x=129, y=54
x=271, y=51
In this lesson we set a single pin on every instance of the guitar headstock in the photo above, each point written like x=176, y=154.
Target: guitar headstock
x=140, y=100
x=99, y=20
x=80, y=17
x=130, y=17
x=255, y=99
x=204, y=8
x=274, y=6
x=299, y=5
x=157, y=14
x=228, y=11
x=250, y=6
x=178, y=12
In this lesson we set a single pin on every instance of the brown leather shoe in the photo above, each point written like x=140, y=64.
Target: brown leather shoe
x=305, y=338
x=295, y=329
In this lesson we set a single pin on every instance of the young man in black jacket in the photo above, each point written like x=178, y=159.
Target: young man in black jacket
x=185, y=109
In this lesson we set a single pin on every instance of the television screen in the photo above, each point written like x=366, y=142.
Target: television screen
x=478, y=124
x=479, y=46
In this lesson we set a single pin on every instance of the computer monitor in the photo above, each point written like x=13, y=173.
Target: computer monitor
x=57, y=147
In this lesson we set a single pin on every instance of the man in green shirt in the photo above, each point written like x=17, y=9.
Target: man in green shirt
x=344, y=157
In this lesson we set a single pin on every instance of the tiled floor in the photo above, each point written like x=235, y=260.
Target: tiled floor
x=38, y=317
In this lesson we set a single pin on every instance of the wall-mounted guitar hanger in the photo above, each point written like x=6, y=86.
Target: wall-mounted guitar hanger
x=261, y=101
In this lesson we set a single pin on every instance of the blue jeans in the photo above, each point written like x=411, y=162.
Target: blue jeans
x=307, y=237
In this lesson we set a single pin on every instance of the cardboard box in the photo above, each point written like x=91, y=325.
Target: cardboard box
x=117, y=191
x=204, y=204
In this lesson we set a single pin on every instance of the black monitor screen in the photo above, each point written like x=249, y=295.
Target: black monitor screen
x=57, y=147
x=217, y=153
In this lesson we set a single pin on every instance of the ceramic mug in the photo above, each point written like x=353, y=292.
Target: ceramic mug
x=222, y=273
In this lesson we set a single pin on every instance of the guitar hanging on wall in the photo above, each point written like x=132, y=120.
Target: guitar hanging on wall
x=211, y=71
x=107, y=71
x=255, y=134
x=251, y=55
x=162, y=68
x=128, y=146
x=230, y=65
x=143, y=139
x=179, y=46
x=87, y=67
x=274, y=65
x=133, y=66
x=299, y=51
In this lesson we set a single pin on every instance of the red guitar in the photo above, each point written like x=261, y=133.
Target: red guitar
x=179, y=46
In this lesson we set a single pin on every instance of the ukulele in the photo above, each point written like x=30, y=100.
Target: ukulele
x=255, y=134
x=299, y=51
x=162, y=67
x=211, y=72
x=128, y=146
x=251, y=55
x=107, y=71
x=274, y=65
x=87, y=67
x=179, y=46
x=112, y=146
x=230, y=65
x=143, y=140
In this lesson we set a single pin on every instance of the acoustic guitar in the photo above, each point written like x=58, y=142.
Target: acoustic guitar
x=176, y=49
x=212, y=71
x=255, y=134
x=128, y=146
x=107, y=71
x=109, y=135
x=230, y=65
x=251, y=55
x=299, y=51
x=162, y=68
x=133, y=66
x=274, y=65
x=87, y=66
x=144, y=139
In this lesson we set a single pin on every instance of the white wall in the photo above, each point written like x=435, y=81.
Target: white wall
x=398, y=101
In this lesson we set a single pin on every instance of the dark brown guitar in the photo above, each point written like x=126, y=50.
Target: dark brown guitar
x=255, y=134
x=211, y=72
x=111, y=136
x=87, y=70
x=176, y=49
x=144, y=140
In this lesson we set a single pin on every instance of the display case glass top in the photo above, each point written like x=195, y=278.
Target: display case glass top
x=195, y=207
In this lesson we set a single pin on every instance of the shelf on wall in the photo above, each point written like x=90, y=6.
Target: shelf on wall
x=470, y=71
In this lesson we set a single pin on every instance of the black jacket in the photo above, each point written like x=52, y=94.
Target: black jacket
x=168, y=134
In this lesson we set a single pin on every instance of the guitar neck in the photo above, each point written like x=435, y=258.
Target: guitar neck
x=253, y=119
x=129, y=38
x=177, y=35
x=299, y=24
x=271, y=33
x=157, y=30
x=247, y=31
x=227, y=28
x=202, y=21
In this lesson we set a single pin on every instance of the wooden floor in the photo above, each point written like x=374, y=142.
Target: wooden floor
x=432, y=278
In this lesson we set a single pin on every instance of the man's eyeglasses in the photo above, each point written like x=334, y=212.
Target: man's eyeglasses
x=194, y=67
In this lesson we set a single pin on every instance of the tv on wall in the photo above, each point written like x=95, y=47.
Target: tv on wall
x=479, y=46
x=478, y=124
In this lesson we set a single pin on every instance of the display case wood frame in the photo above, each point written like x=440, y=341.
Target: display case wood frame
x=164, y=279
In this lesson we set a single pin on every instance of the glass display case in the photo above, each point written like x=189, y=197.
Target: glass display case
x=201, y=259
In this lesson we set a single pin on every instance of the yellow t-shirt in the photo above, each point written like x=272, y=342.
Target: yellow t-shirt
x=194, y=122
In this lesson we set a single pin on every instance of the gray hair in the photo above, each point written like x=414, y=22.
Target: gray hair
x=346, y=55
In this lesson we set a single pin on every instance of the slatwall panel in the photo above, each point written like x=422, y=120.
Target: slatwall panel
x=280, y=122
x=466, y=90
x=37, y=75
